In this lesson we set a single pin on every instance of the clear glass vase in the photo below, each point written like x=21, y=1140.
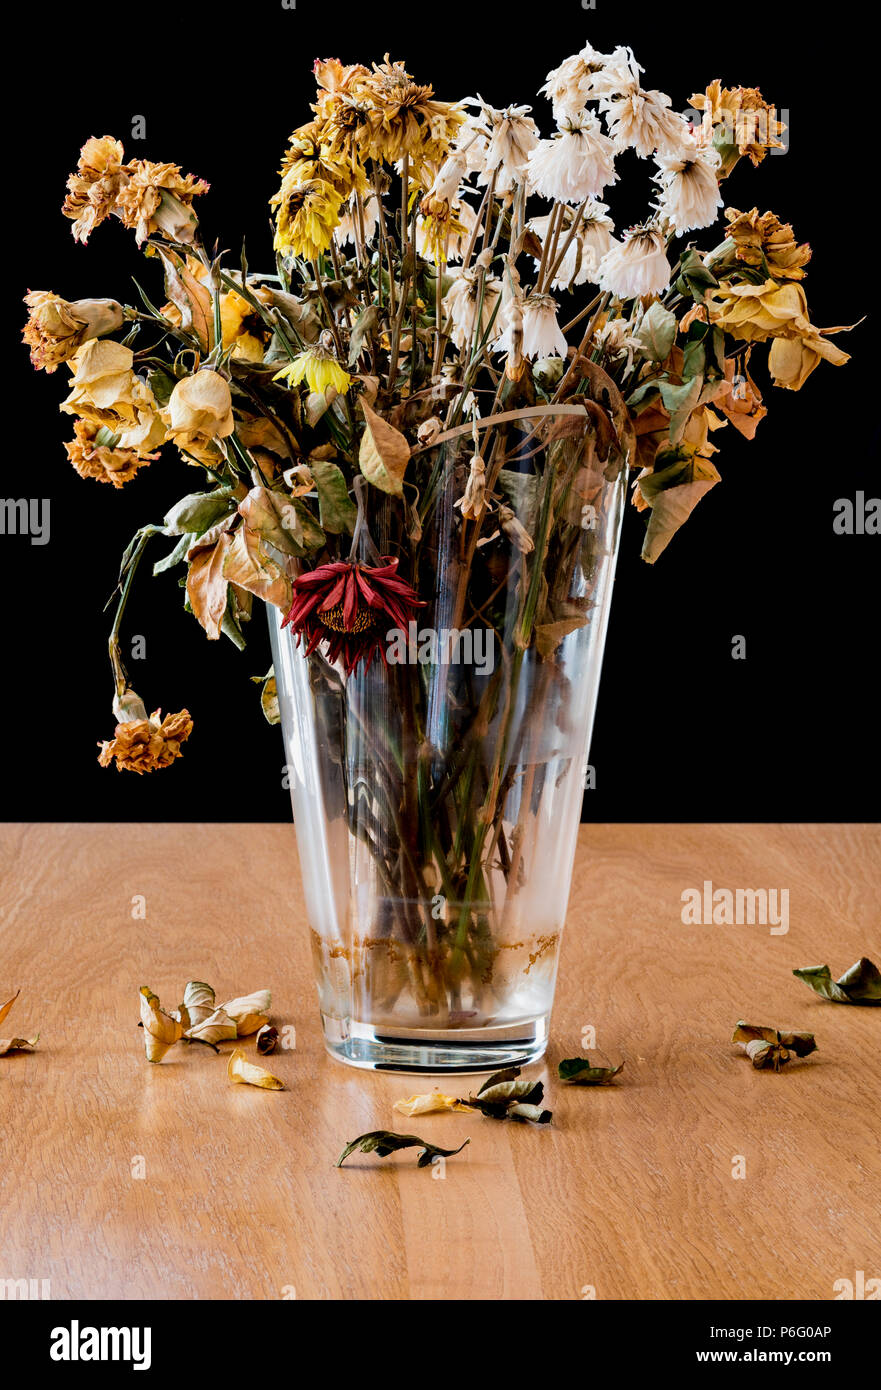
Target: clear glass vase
x=437, y=798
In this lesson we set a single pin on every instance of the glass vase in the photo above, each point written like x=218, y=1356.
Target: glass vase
x=437, y=795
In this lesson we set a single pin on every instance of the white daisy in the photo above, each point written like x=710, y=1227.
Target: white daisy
x=592, y=240
x=576, y=163
x=617, y=74
x=461, y=303
x=689, y=185
x=536, y=317
x=644, y=122
x=504, y=139
x=636, y=266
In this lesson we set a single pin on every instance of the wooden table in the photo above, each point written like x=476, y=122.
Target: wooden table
x=630, y=1193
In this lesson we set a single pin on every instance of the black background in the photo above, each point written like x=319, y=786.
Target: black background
x=683, y=731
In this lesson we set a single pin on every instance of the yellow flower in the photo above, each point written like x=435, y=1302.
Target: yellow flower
x=158, y=198
x=791, y=360
x=320, y=370
x=107, y=391
x=766, y=242
x=56, y=328
x=94, y=454
x=243, y=329
x=389, y=116
x=307, y=215
x=755, y=313
x=93, y=189
x=199, y=411
x=739, y=122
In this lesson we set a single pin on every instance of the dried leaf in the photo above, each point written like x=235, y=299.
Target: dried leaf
x=657, y=331
x=191, y=297
x=240, y=1069
x=384, y=453
x=580, y=1071
x=337, y=511
x=861, y=984
x=768, y=1048
x=249, y=566
x=217, y=1027
x=198, y=511
x=275, y=516
x=366, y=323
x=548, y=636
x=206, y=585
x=17, y=1045
x=672, y=501
x=161, y=1030
x=267, y=1039
x=198, y=1003
x=5, y=1008
x=429, y=1104
x=250, y=1011
x=384, y=1141
x=504, y=1096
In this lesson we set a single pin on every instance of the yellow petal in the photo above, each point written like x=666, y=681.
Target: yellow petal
x=17, y=1045
x=239, y=1069
x=4, y=1008
x=250, y=1012
x=428, y=1104
x=161, y=1031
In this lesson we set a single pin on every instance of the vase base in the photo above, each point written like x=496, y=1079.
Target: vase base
x=374, y=1047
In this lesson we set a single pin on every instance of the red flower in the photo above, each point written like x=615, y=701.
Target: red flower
x=344, y=604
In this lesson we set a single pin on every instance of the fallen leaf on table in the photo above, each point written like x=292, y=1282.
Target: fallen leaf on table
x=250, y=1012
x=583, y=1073
x=504, y=1096
x=240, y=1069
x=199, y=1002
x=161, y=1031
x=768, y=1048
x=384, y=1141
x=216, y=1027
x=429, y=1104
x=861, y=984
x=267, y=1039
x=4, y=1008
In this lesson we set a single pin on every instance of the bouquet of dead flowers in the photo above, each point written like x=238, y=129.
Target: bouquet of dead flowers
x=451, y=315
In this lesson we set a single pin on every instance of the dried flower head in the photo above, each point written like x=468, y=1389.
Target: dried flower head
x=306, y=218
x=94, y=454
x=349, y=606
x=56, y=329
x=158, y=198
x=738, y=121
x=143, y=745
x=94, y=188
x=761, y=240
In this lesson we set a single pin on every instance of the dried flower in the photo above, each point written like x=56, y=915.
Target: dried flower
x=106, y=391
x=157, y=198
x=515, y=531
x=644, y=122
x=739, y=122
x=577, y=163
x=443, y=235
x=541, y=332
x=141, y=744
x=636, y=266
x=95, y=186
x=473, y=501
x=461, y=303
x=690, y=196
x=763, y=241
x=345, y=603
x=56, y=329
x=240, y=1069
x=307, y=215
x=498, y=141
x=94, y=454
x=199, y=411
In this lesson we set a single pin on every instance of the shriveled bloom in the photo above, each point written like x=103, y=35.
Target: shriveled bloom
x=348, y=229
x=199, y=411
x=157, y=198
x=473, y=501
x=402, y=117
x=617, y=75
x=595, y=234
x=107, y=391
x=636, y=266
x=94, y=188
x=498, y=142
x=689, y=185
x=738, y=121
x=443, y=236
x=756, y=313
x=142, y=744
x=351, y=607
x=542, y=335
x=643, y=121
x=94, y=453
x=309, y=157
x=56, y=328
x=462, y=301
x=318, y=367
x=571, y=85
x=762, y=240
x=619, y=339
x=576, y=163
x=306, y=218
x=515, y=531
x=242, y=328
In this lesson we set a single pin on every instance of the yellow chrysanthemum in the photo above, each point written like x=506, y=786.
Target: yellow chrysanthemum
x=307, y=215
x=319, y=368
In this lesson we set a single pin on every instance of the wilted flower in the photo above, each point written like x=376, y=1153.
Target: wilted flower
x=348, y=229
x=636, y=266
x=644, y=122
x=199, y=411
x=56, y=328
x=542, y=334
x=461, y=303
x=397, y=116
x=755, y=313
x=320, y=370
x=306, y=218
x=593, y=238
x=94, y=454
x=739, y=122
x=106, y=391
x=473, y=501
x=618, y=339
x=95, y=186
x=576, y=163
x=348, y=605
x=444, y=235
x=158, y=198
x=690, y=196
x=500, y=141
x=515, y=531
x=762, y=240
x=141, y=744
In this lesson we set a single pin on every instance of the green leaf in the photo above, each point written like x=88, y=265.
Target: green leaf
x=679, y=402
x=657, y=331
x=196, y=513
x=645, y=393
x=580, y=1071
x=861, y=984
x=694, y=277
x=337, y=511
x=383, y=1142
x=175, y=556
x=673, y=492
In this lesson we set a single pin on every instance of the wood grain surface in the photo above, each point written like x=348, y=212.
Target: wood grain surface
x=629, y=1193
